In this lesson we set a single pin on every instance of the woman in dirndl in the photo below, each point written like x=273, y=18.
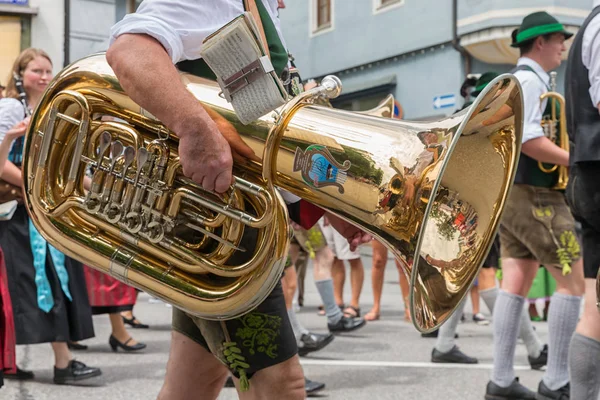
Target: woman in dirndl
x=109, y=296
x=47, y=289
x=8, y=363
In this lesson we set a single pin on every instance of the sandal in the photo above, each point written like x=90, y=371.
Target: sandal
x=321, y=311
x=372, y=316
x=352, y=312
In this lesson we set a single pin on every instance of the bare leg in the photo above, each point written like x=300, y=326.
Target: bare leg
x=475, y=299
x=357, y=277
x=405, y=288
x=62, y=355
x=192, y=370
x=487, y=279
x=338, y=273
x=290, y=283
x=281, y=381
x=118, y=329
x=380, y=255
x=589, y=324
x=323, y=264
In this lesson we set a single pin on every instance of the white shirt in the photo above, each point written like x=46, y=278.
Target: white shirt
x=11, y=113
x=533, y=88
x=181, y=26
x=590, y=55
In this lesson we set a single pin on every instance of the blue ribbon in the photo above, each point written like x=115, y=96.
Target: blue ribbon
x=44, y=291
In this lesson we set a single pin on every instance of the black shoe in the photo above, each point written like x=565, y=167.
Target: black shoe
x=134, y=323
x=544, y=393
x=115, y=344
x=76, y=346
x=515, y=391
x=20, y=375
x=75, y=371
x=539, y=361
x=313, y=342
x=434, y=334
x=453, y=356
x=347, y=324
x=312, y=387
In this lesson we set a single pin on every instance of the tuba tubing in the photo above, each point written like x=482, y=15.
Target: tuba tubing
x=431, y=191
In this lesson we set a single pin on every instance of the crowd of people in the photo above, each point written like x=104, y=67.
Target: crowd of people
x=47, y=297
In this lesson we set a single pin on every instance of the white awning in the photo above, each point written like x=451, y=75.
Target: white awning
x=492, y=45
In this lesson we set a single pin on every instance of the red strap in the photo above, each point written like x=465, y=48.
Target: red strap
x=309, y=214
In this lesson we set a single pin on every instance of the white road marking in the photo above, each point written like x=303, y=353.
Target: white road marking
x=399, y=364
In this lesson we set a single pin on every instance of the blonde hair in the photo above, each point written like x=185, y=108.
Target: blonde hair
x=19, y=66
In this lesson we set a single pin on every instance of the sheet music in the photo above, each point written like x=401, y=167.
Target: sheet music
x=230, y=50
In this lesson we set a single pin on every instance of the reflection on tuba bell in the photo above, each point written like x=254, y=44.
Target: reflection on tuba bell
x=432, y=192
x=550, y=126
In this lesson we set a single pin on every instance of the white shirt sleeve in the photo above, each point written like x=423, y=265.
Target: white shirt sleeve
x=590, y=54
x=11, y=112
x=288, y=197
x=532, y=90
x=179, y=26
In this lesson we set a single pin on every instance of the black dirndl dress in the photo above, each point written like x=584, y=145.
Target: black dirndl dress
x=67, y=319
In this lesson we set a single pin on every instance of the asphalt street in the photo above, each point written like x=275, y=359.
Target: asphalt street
x=387, y=359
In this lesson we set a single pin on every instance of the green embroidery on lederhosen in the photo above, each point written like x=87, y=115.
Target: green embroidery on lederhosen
x=569, y=251
x=567, y=247
x=259, y=332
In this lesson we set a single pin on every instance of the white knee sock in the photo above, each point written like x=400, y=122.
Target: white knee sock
x=530, y=338
x=445, y=339
x=297, y=327
x=584, y=365
x=333, y=312
x=507, y=318
x=562, y=321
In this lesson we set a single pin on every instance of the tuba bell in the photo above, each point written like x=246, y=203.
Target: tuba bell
x=550, y=126
x=432, y=192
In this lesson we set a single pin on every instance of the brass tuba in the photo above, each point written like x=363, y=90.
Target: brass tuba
x=550, y=126
x=432, y=192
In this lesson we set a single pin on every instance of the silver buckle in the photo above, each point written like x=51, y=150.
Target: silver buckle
x=245, y=76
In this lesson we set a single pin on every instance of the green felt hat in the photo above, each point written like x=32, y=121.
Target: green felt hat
x=482, y=82
x=537, y=24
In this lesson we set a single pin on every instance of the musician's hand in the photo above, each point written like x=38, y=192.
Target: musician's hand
x=354, y=235
x=240, y=151
x=206, y=157
x=18, y=129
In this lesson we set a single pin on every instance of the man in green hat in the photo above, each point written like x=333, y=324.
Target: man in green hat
x=537, y=226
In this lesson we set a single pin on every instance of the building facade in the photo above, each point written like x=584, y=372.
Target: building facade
x=420, y=51
x=66, y=29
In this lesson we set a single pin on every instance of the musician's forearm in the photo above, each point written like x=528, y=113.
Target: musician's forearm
x=144, y=69
x=4, y=150
x=544, y=150
x=12, y=174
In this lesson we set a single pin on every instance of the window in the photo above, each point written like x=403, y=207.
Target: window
x=385, y=5
x=321, y=13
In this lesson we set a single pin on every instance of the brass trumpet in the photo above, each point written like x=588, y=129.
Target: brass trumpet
x=432, y=192
x=550, y=126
